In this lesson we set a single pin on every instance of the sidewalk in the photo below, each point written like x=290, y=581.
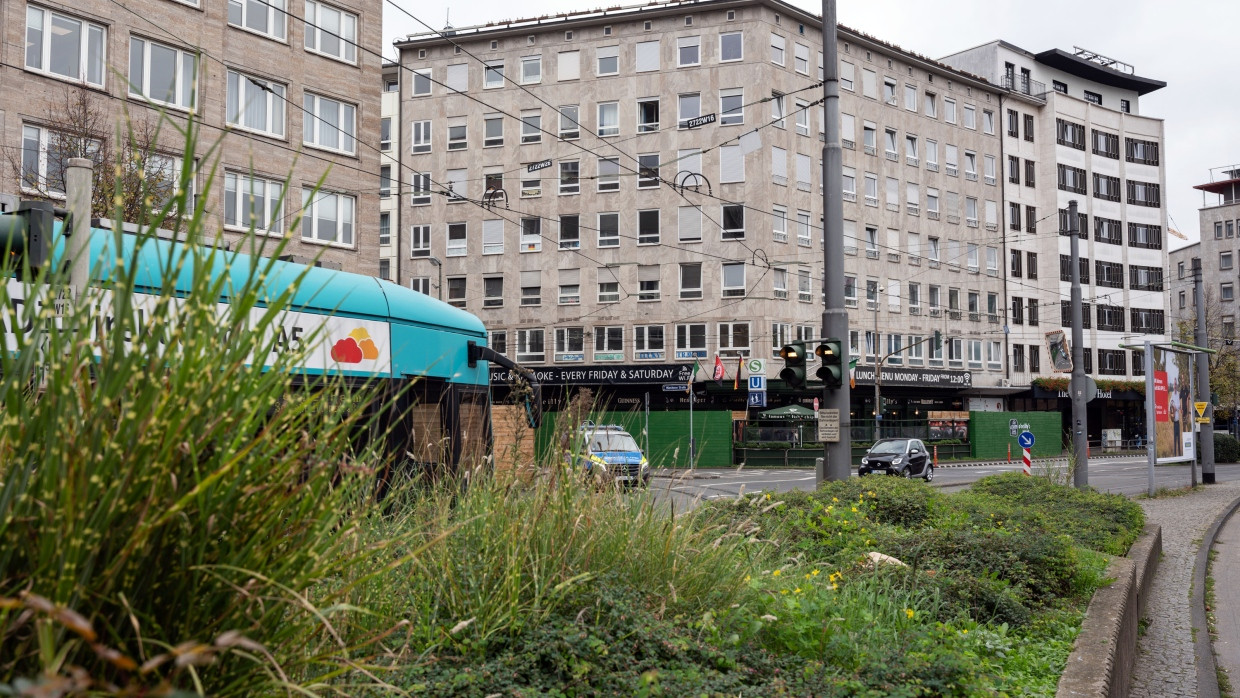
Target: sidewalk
x=1166, y=663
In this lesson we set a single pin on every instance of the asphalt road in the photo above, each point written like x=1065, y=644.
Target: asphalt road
x=1129, y=476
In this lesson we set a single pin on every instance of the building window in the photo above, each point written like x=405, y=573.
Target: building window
x=493, y=75
x=531, y=128
x=1070, y=134
x=570, y=182
x=648, y=115
x=253, y=203
x=1029, y=127
x=1142, y=152
x=691, y=339
x=777, y=49
x=330, y=31
x=648, y=171
x=385, y=133
x=609, y=343
x=254, y=104
x=689, y=224
x=1059, y=87
x=385, y=181
x=733, y=279
x=531, y=235
x=531, y=70
x=162, y=74
x=691, y=280
x=530, y=346
x=690, y=107
x=570, y=232
x=731, y=47
x=1106, y=187
x=421, y=140
x=988, y=122
x=570, y=287
x=733, y=222
x=734, y=339
x=64, y=46
x=931, y=104
x=493, y=292
x=456, y=291
x=493, y=236
x=265, y=17
x=421, y=82
x=421, y=188
x=1072, y=179
x=648, y=283
x=420, y=241
x=1093, y=97
x=688, y=51
x=608, y=60
x=570, y=128
x=421, y=284
x=1144, y=193
x=608, y=118
x=327, y=217
x=609, y=230
x=458, y=242
x=608, y=174
x=1106, y=144
x=1030, y=173
x=329, y=124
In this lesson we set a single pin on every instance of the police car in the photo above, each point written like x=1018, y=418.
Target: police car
x=612, y=454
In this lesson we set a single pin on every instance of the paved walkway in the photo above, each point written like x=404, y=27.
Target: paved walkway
x=1166, y=662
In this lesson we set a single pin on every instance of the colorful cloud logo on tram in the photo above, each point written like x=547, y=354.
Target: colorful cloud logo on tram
x=354, y=348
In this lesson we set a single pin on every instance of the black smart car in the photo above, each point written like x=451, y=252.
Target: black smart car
x=906, y=457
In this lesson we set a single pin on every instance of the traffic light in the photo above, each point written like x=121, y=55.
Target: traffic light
x=794, y=364
x=938, y=340
x=26, y=235
x=832, y=371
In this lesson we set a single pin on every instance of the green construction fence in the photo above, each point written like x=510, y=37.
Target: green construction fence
x=991, y=433
x=668, y=437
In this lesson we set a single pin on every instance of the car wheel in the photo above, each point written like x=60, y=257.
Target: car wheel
x=908, y=473
x=929, y=473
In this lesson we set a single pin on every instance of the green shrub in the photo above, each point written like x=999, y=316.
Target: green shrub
x=1226, y=448
x=891, y=500
x=1097, y=520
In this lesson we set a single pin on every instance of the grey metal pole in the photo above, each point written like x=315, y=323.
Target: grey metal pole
x=1150, y=427
x=878, y=372
x=1192, y=464
x=77, y=246
x=834, y=315
x=1206, y=442
x=1080, y=433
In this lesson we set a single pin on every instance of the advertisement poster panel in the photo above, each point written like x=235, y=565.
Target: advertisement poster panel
x=1173, y=423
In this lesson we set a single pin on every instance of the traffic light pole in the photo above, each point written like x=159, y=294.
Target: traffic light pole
x=837, y=456
x=1080, y=435
x=1206, y=442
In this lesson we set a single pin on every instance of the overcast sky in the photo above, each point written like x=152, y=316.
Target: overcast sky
x=1190, y=45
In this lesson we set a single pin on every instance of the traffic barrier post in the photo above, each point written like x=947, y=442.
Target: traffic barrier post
x=1026, y=463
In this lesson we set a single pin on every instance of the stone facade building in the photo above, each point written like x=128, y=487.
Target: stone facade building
x=1073, y=130
x=285, y=94
x=621, y=194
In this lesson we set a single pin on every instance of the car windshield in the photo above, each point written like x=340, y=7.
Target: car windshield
x=889, y=447
x=613, y=441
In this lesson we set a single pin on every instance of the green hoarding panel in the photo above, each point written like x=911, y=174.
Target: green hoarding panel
x=668, y=437
x=991, y=433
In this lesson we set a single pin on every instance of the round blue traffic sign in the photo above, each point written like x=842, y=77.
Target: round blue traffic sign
x=1025, y=439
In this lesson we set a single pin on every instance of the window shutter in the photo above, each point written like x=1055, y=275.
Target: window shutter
x=779, y=162
x=689, y=219
x=647, y=56
x=607, y=275
x=493, y=233
x=570, y=277
x=803, y=168
x=731, y=164
x=531, y=278
x=458, y=77
x=689, y=160
x=569, y=65
x=648, y=272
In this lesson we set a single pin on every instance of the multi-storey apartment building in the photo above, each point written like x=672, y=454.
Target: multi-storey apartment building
x=1073, y=130
x=621, y=194
x=1219, y=219
x=389, y=169
x=284, y=91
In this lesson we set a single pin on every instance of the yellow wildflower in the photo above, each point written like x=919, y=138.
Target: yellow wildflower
x=835, y=499
x=909, y=612
x=834, y=587
x=815, y=573
x=783, y=591
x=964, y=631
x=776, y=573
x=854, y=510
x=797, y=590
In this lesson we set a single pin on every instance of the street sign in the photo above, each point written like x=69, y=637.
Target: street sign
x=815, y=404
x=1091, y=389
x=675, y=388
x=536, y=166
x=700, y=121
x=1025, y=440
x=757, y=383
x=757, y=367
x=829, y=426
x=757, y=399
x=1201, y=408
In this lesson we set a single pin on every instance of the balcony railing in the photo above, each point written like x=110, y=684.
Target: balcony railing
x=1025, y=86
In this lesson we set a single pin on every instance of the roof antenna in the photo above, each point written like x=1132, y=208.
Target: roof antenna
x=447, y=20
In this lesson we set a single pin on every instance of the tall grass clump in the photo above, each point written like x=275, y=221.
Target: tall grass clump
x=172, y=514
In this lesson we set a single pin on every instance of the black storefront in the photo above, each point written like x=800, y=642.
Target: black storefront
x=1115, y=409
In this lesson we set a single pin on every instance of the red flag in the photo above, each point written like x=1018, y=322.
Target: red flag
x=719, y=372
x=736, y=380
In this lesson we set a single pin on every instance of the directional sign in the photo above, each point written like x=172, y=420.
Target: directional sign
x=757, y=367
x=700, y=121
x=757, y=399
x=536, y=166
x=757, y=383
x=675, y=388
x=1025, y=439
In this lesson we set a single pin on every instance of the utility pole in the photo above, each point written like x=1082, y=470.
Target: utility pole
x=1206, y=442
x=1080, y=433
x=77, y=246
x=878, y=373
x=834, y=316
